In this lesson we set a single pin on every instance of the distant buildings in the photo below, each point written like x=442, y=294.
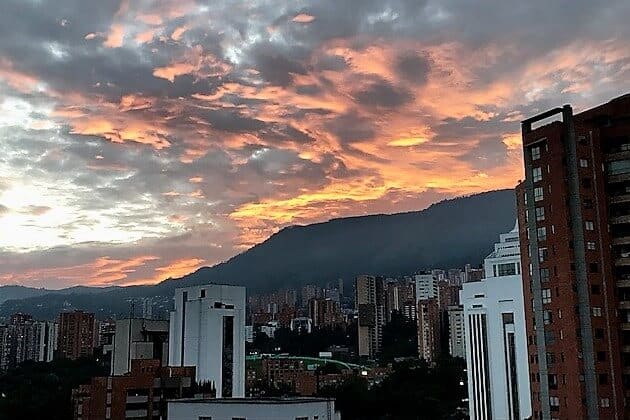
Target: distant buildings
x=370, y=304
x=252, y=409
x=207, y=330
x=426, y=286
x=495, y=335
x=25, y=339
x=325, y=313
x=139, y=339
x=76, y=335
x=302, y=324
x=140, y=394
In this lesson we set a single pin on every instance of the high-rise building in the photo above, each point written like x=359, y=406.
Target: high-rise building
x=574, y=214
x=325, y=313
x=429, y=337
x=496, y=345
x=138, y=338
x=370, y=303
x=25, y=339
x=207, y=330
x=76, y=335
x=427, y=286
x=46, y=336
x=456, y=334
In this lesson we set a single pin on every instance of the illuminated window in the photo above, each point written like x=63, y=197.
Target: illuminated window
x=538, y=194
x=540, y=214
x=589, y=225
x=537, y=174
x=546, y=295
x=535, y=153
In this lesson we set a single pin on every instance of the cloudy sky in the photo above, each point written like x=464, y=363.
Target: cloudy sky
x=142, y=139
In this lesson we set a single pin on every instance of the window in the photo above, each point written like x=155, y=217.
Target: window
x=547, y=317
x=542, y=254
x=203, y=293
x=538, y=194
x=540, y=214
x=595, y=289
x=588, y=203
x=542, y=233
x=537, y=174
x=546, y=295
x=603, y=379
x=544, y=274
x=590, y=246
x=589, y=225
x=506, y=269
x=619, y=167
x=553, y=381
x=536, y=153
x=601, y=356
x=586, y=182
x=593, y=268
x=597, y=311
x=583, y=163
x=301, y=418
x=205, y=418
x=604, y=402
x=599, y=333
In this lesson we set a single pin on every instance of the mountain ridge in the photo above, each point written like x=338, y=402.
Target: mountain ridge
x=447, y=234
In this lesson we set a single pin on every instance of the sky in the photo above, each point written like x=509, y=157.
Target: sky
x=143, y=139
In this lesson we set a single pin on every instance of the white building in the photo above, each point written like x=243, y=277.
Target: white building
x=46, y=340
x=496, y=340
x=207, y=330
x=270, y=328
x=456, y=339
x=249, y=333
x=426, y=287
x=302, y=324
x=138, y=338
x=253, y=409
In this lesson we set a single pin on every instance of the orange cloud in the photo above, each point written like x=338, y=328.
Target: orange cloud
x=303, y=18
x=115, y=37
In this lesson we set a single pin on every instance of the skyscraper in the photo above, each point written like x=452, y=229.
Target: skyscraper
x=496, y=346
x=76, y=335
x=207, y=330
x=370, y=302
x=574, y=213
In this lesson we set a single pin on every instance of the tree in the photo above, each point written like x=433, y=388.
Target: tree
x=38, y=390
x=400, y=338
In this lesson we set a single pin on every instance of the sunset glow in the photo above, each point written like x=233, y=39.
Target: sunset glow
x=144, y=140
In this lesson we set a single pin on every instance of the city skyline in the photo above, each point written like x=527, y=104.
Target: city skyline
x=144, y=140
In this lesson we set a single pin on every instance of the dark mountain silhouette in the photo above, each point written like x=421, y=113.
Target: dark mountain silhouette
x=21, y=292
x=448, y=234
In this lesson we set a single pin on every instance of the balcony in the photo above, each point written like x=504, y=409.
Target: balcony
x=623, y=283
x=620, y=219
x=623, y=198
x=624, y=240
x=625, y=326
x=618, y=178
x=622, y=262
x=623, y=155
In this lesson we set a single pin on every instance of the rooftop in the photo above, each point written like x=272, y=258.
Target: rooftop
x=276, y=400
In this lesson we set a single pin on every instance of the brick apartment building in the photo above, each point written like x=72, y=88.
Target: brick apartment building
x=141, y=394
x=76, y=335
x=574, y=218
